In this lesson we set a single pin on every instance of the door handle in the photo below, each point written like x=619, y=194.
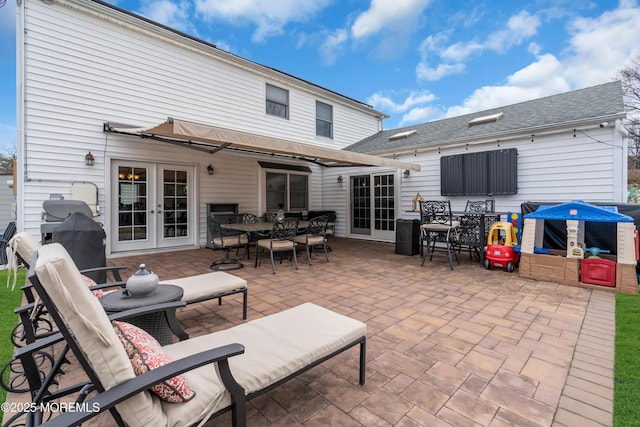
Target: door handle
x=152, y=211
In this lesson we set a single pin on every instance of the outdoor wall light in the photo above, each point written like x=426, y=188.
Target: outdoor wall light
x=407, y=172
x=89, y=160
x=340, y=179
x=210, y=169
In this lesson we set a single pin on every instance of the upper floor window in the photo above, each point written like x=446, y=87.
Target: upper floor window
x=277, y=101
x=324, y=119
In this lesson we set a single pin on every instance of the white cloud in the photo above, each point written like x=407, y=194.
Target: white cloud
x=383, y=102
x=171, y=14
x=269, y=17
x=419, y=115
x=388, y=14
x=601, y=46
x=332, y=46
x=425, y=72
x=538, y=79
x=519, y=28
x=451, y=58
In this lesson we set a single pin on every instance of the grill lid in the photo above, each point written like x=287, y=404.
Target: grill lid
x=59, y=210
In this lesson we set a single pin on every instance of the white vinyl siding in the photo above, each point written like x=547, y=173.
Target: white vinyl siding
x=554, y=168
x=83, y=69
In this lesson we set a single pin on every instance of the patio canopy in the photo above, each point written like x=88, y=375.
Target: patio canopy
x=211, y=139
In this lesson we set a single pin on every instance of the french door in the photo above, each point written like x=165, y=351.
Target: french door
x=153, y=206
x=373, y=201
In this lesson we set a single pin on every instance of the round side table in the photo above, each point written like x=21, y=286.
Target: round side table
x=161, y=324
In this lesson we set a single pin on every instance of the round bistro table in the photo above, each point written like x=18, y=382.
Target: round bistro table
x=162, y=325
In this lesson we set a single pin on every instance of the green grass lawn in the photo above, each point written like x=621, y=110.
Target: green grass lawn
x=9, y=300
x=626, y=406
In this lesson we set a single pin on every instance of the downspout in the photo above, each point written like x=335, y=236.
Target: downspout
x=621, y=134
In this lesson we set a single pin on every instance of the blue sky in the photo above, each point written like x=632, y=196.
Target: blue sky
x=416, y=60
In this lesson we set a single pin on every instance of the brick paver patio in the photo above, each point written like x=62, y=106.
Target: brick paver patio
x=468, y=347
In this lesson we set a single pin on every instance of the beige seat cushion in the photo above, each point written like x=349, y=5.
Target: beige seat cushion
x=206, y=285
x=275, y=346
x=311, y=240
x=434, y=226
x=84, y=315
x=278, y=245
x=241, y=239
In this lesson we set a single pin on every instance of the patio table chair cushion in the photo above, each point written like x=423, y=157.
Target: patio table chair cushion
x=96, y=338
x=231, y=241
x=276, y=245
x=145, y=353
x=207, y=285
x=310, y=240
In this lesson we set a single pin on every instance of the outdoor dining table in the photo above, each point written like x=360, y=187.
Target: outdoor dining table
x=258, y=227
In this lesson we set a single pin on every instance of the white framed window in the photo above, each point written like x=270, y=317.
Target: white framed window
x=324, y=119
x=277, y=101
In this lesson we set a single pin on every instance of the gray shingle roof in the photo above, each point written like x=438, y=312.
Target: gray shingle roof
x=597, y=103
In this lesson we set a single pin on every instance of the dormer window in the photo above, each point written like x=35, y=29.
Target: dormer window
x=485, y=119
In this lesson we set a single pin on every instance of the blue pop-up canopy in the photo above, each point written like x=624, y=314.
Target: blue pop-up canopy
x=579, y=211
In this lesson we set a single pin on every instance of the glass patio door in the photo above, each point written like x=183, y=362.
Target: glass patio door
x=152, y=206
x=373, y=206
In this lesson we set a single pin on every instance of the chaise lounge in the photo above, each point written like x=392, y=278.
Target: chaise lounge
x=199, y=288
x=249, y=359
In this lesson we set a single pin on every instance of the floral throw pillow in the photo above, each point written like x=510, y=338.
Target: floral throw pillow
x=90, y=283
x=145, y=354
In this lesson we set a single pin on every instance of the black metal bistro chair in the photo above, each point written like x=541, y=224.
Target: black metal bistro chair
x=315, y=236
x=469, y=232
x=438, y=230
x=226, y=240
x=282, y=239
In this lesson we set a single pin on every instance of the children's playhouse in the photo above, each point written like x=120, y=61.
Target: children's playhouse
x=599, y=268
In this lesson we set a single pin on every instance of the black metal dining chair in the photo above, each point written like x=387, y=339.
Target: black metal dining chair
x=226, y=240
x=282, y=239
x=438, y=230
x=315, y=236
x=469, y=235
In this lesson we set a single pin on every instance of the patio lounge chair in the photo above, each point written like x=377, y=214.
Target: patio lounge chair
x=34, y=323
x=198, y=288
x=250, y=358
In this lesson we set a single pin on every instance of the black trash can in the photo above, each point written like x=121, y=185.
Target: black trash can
x=407, y=236
x=83, y=238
